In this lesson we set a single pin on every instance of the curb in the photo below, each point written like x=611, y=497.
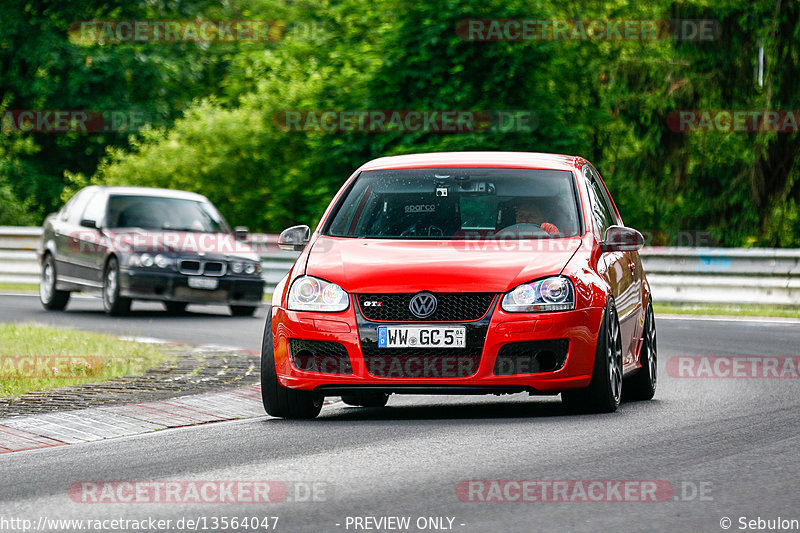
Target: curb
x=98, y=423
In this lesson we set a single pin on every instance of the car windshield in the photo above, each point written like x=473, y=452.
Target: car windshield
x=463, y=203
x=159, y=213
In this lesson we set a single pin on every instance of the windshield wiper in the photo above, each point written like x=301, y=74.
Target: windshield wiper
x=186, y=229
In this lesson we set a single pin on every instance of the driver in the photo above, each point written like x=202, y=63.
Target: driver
x=529, y=213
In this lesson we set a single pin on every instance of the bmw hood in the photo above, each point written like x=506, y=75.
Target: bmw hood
x=394, y=265
x=188, y=243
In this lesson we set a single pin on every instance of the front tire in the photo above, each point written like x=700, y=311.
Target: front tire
x=113, y=303
x=51, y=298
x=642, y=386
x=605, y=390
x=280, y=401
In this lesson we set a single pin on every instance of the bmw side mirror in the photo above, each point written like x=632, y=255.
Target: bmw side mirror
x=88, y=223
x=240, y=233
x=294, y=238
x=622, y=239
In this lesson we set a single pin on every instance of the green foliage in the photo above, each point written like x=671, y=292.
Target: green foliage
x=215, y=105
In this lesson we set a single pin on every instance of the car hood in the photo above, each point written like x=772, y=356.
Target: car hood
x=392, y=265
x=215, y=245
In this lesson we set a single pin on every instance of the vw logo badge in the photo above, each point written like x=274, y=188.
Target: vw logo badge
x=422, y=305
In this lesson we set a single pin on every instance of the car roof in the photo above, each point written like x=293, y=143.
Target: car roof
x=153, y=191
x=477, y=160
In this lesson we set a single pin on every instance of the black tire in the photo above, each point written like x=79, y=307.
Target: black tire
x=278, y=400
x=605, y=390
x=113, y=303
x=51, y=298
x=366, y=399
x=175, y=308
x=642, y=385
x=243, y=310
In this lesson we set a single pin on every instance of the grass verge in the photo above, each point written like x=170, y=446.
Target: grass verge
x=726, y=310
x=34, y=358
x=19, y=287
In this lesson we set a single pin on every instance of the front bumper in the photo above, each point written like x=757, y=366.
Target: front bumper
x=173, y=286
x=579, y=328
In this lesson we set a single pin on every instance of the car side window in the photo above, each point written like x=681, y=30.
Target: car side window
x=602, y=212
x=95, y=209
x=76, y=207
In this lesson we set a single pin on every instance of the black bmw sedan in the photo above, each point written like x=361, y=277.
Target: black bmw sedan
x=138, y=243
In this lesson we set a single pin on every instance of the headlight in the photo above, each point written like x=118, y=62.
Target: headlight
x=146, y=260
x=549, y=294
x=250, y=268
x=163, y=261
x=313, y=294
x=236, y=268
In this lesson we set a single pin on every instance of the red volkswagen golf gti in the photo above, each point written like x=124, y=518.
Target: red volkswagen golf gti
x=463, y=273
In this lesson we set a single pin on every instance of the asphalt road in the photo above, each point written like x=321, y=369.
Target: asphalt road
x=735, y=440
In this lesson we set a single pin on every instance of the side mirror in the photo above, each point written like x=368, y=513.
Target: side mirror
x=240, y=233
x=294, y=238
x=622, y=239
x=88, y=223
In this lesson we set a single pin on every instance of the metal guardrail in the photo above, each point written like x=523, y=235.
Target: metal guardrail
x=676, y=275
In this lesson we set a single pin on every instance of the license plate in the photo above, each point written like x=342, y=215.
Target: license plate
x=422, y=337
x=203, y=283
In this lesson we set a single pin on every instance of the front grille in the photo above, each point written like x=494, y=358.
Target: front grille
x=195, y=268
x=319, y=356
x=451, y=307
x=531, y=357
x=189, y=267
x=214, y=268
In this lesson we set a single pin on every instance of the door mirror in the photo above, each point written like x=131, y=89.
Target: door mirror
x=294, y=238
x=241, y=233
x=88, y=223
x=622, y=239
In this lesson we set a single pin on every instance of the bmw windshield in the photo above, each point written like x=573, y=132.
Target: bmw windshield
x=160, y=213
x=479, y=203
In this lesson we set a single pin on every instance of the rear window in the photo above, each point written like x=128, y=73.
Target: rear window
x=458, y=203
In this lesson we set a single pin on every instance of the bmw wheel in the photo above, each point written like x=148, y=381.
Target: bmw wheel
x=52, y=299
x=113, y=303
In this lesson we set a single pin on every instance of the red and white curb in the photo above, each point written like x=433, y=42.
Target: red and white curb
x=98, y=423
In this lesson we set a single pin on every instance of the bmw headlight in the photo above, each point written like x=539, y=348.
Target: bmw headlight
x=163, y=261
x=313, y=294
x=246, y=267
x=549, y=294
x=149, y=260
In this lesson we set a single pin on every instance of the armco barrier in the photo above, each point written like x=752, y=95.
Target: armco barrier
x=676, y=275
